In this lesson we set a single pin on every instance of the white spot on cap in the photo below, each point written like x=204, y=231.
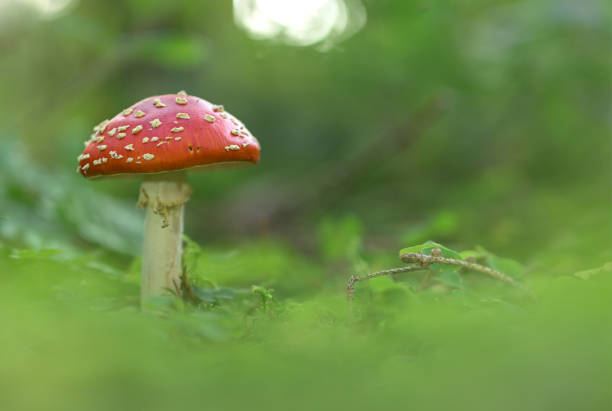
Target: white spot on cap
x=127, y=111
x=97, y=162
x=159, y=144
x=123, y=128
x=224, y=115
x=136, y=129
x=232, y=147
x=154, y=138
x=157, y=103
x=145, y=139
x=177, y=129
x=129, y=160
x=120, y=136
x=235, y=132
x=245, y=144
x=129, y=147
x=182, y=115
x=104, y=159
x=181, y=100
x=83, y=157
x=168, y=138
x=101, y=127
x=102, y=147
x=99, y=139
x=209, y=118
x=113, y=154
x=218, y=109
x=139, y=113
x=112, y=132
x=182, y=93
x=148, y=156
x=85, y=166
x=155, y=123
x=177, y=139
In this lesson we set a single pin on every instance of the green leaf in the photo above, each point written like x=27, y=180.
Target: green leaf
x=426, y=248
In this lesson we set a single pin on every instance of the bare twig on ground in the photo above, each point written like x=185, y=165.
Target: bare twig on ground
x=422, y=262
x=425, y=260
x=350, y=288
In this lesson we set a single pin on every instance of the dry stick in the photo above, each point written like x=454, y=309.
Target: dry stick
x=424, y=260
x=350, y=288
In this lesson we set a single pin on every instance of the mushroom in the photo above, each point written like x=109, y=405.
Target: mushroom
x=161, y=138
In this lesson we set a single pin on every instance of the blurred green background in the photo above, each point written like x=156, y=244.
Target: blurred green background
x=383, y=124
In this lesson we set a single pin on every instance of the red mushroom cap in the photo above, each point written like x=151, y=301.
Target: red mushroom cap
x=167, y=133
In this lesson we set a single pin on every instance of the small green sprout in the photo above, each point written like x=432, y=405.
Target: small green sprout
x=264, y=293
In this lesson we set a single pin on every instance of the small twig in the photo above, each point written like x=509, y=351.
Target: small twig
x=350, y=288
x=425, y=260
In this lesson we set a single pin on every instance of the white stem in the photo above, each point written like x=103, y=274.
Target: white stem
x=163, y=195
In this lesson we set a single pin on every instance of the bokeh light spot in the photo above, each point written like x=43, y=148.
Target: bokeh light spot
x=297, y=22
x=43, y=8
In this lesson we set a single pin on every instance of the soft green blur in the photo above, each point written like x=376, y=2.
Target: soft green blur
x=471, y=123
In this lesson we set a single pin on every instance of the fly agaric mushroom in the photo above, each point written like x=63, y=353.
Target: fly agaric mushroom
x=161, y=138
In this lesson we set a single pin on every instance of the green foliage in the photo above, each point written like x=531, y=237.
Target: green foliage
x=428, y=246
x=264, y=263
x=264, y=293
x=478, y=122
x=79, y=322
x=51, y=209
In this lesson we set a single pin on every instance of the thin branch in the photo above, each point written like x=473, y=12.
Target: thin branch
x=425, y=260
x=350, y=288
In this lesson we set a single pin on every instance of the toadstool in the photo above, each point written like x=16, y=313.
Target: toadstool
x=161, y=138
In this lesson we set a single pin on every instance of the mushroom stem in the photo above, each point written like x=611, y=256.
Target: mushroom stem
x=163, y=196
